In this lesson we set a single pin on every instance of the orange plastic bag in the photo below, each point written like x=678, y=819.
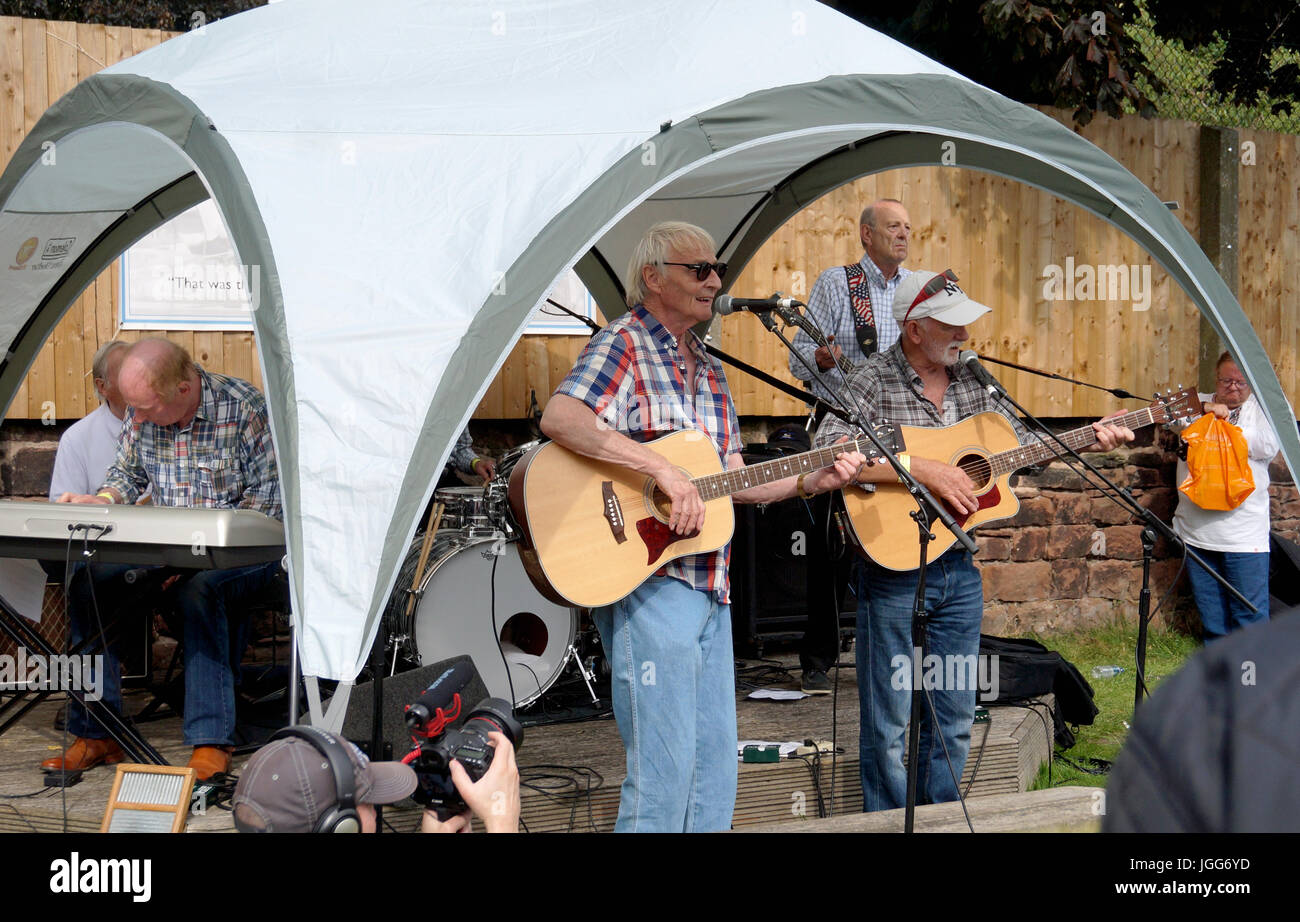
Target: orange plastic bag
x=1218, y=470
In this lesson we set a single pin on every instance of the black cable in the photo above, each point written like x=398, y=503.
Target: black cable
x=582, y=781
x=814, y=763
x=1032, y=705
x=29, y=822
x=979, y=756
x=23, y=796
x=496, y=632
x=1100, y=766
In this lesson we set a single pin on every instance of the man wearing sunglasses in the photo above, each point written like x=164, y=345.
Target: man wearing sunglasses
x=1234, y=542
x=851, y=304
x=919, y=382
x=669, y=642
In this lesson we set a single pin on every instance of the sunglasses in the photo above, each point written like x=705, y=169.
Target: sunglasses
x=932, y=288
x=702, y=270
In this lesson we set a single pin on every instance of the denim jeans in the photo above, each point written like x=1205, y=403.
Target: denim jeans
x=211, y=605
x=954, y=598
x=673, y=685
x=1221, y=612
x=110, y=589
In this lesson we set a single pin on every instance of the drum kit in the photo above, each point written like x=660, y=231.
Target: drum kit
x=463, y=590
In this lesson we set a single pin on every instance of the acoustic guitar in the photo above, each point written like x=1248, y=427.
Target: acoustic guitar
x=594, y=531
x=986, y=448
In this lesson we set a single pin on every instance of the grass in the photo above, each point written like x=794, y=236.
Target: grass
x=1113, y=644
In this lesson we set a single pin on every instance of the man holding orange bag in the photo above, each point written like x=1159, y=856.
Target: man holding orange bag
x=1234, y=542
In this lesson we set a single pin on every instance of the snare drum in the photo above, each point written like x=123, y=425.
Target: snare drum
x=454, y=615
x=470, y=507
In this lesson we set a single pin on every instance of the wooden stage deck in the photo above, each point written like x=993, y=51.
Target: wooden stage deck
x=572, y=771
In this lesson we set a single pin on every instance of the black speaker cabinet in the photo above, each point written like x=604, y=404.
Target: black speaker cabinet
x=779, y=560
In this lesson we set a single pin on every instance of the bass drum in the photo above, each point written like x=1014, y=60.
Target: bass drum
x=454, y=616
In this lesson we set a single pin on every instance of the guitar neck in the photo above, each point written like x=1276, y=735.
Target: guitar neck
x=1013, y=460
x=725, y=483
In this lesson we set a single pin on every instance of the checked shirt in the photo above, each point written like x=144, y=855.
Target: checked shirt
x=634, y=380
x=222, y=459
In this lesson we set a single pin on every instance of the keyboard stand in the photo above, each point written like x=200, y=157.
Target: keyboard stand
x=16, y=627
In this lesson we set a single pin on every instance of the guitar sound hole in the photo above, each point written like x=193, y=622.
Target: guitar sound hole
x=662, y=504
x=977, y=469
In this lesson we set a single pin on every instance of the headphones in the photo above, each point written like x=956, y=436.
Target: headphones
x=342, y=816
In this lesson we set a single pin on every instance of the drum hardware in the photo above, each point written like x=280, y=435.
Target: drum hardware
x=588, y=674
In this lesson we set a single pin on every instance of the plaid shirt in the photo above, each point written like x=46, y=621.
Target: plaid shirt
x=222, y=459
x=633, y=378
x=463, y=455
x=831, y=309
x=889, y=388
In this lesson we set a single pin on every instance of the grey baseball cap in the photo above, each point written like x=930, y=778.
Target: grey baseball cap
x=288, y=784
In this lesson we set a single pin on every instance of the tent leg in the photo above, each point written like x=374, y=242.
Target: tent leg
x=293, y=669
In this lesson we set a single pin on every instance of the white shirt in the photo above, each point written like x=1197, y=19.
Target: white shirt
x=86, y=452
x=1244, y=529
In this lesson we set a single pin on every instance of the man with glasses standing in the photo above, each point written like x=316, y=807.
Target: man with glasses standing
x=920, y=382
x=1233, y=542
x=669, y=642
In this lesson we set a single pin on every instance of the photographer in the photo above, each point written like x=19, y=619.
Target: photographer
x=308, y=780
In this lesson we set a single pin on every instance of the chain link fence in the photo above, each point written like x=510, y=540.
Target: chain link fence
x=1188, y=93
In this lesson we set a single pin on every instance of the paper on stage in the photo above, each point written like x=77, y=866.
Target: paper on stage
x=777, y=694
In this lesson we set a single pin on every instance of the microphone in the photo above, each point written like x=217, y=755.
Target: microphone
x=729, y=305
x=440, y=703
x=972, y=361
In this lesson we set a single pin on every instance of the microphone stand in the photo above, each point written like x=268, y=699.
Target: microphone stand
x=928, y=509
x=1123, y=498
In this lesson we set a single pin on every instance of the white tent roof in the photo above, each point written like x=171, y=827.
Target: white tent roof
x=410, y=178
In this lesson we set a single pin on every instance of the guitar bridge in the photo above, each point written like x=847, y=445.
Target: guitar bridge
x=613, y=511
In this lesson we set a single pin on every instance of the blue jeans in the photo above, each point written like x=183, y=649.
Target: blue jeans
x=1221, y=612
x=954, y=599
x=212, y=607
x=673, y=685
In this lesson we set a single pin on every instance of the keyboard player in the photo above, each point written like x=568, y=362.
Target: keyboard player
x=196, y=439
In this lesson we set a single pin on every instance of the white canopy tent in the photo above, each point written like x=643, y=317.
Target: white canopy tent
x=409, y=179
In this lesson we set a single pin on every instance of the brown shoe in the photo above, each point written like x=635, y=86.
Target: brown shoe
x=83, y=754
x=210, y=760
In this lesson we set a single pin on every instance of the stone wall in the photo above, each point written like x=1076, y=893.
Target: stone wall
x=1072, y=557
x=27, y=451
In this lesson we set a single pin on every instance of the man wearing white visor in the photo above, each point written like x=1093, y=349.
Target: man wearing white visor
x=919, y=382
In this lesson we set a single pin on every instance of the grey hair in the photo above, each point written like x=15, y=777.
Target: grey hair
x=653, y=250
x=99, y=364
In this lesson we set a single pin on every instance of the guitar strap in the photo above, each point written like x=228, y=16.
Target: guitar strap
x=864, y=321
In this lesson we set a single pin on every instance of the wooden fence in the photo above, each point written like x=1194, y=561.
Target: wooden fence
x=1003, y=239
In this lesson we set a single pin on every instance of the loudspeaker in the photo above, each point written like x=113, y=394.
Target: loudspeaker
x=779, y=556
x=400, y=690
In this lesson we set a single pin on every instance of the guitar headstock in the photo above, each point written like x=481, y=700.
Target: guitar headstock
x=889, y=435
x=1181, y=405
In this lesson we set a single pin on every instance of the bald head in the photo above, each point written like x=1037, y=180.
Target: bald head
x=886, y=230
x=160, y=380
